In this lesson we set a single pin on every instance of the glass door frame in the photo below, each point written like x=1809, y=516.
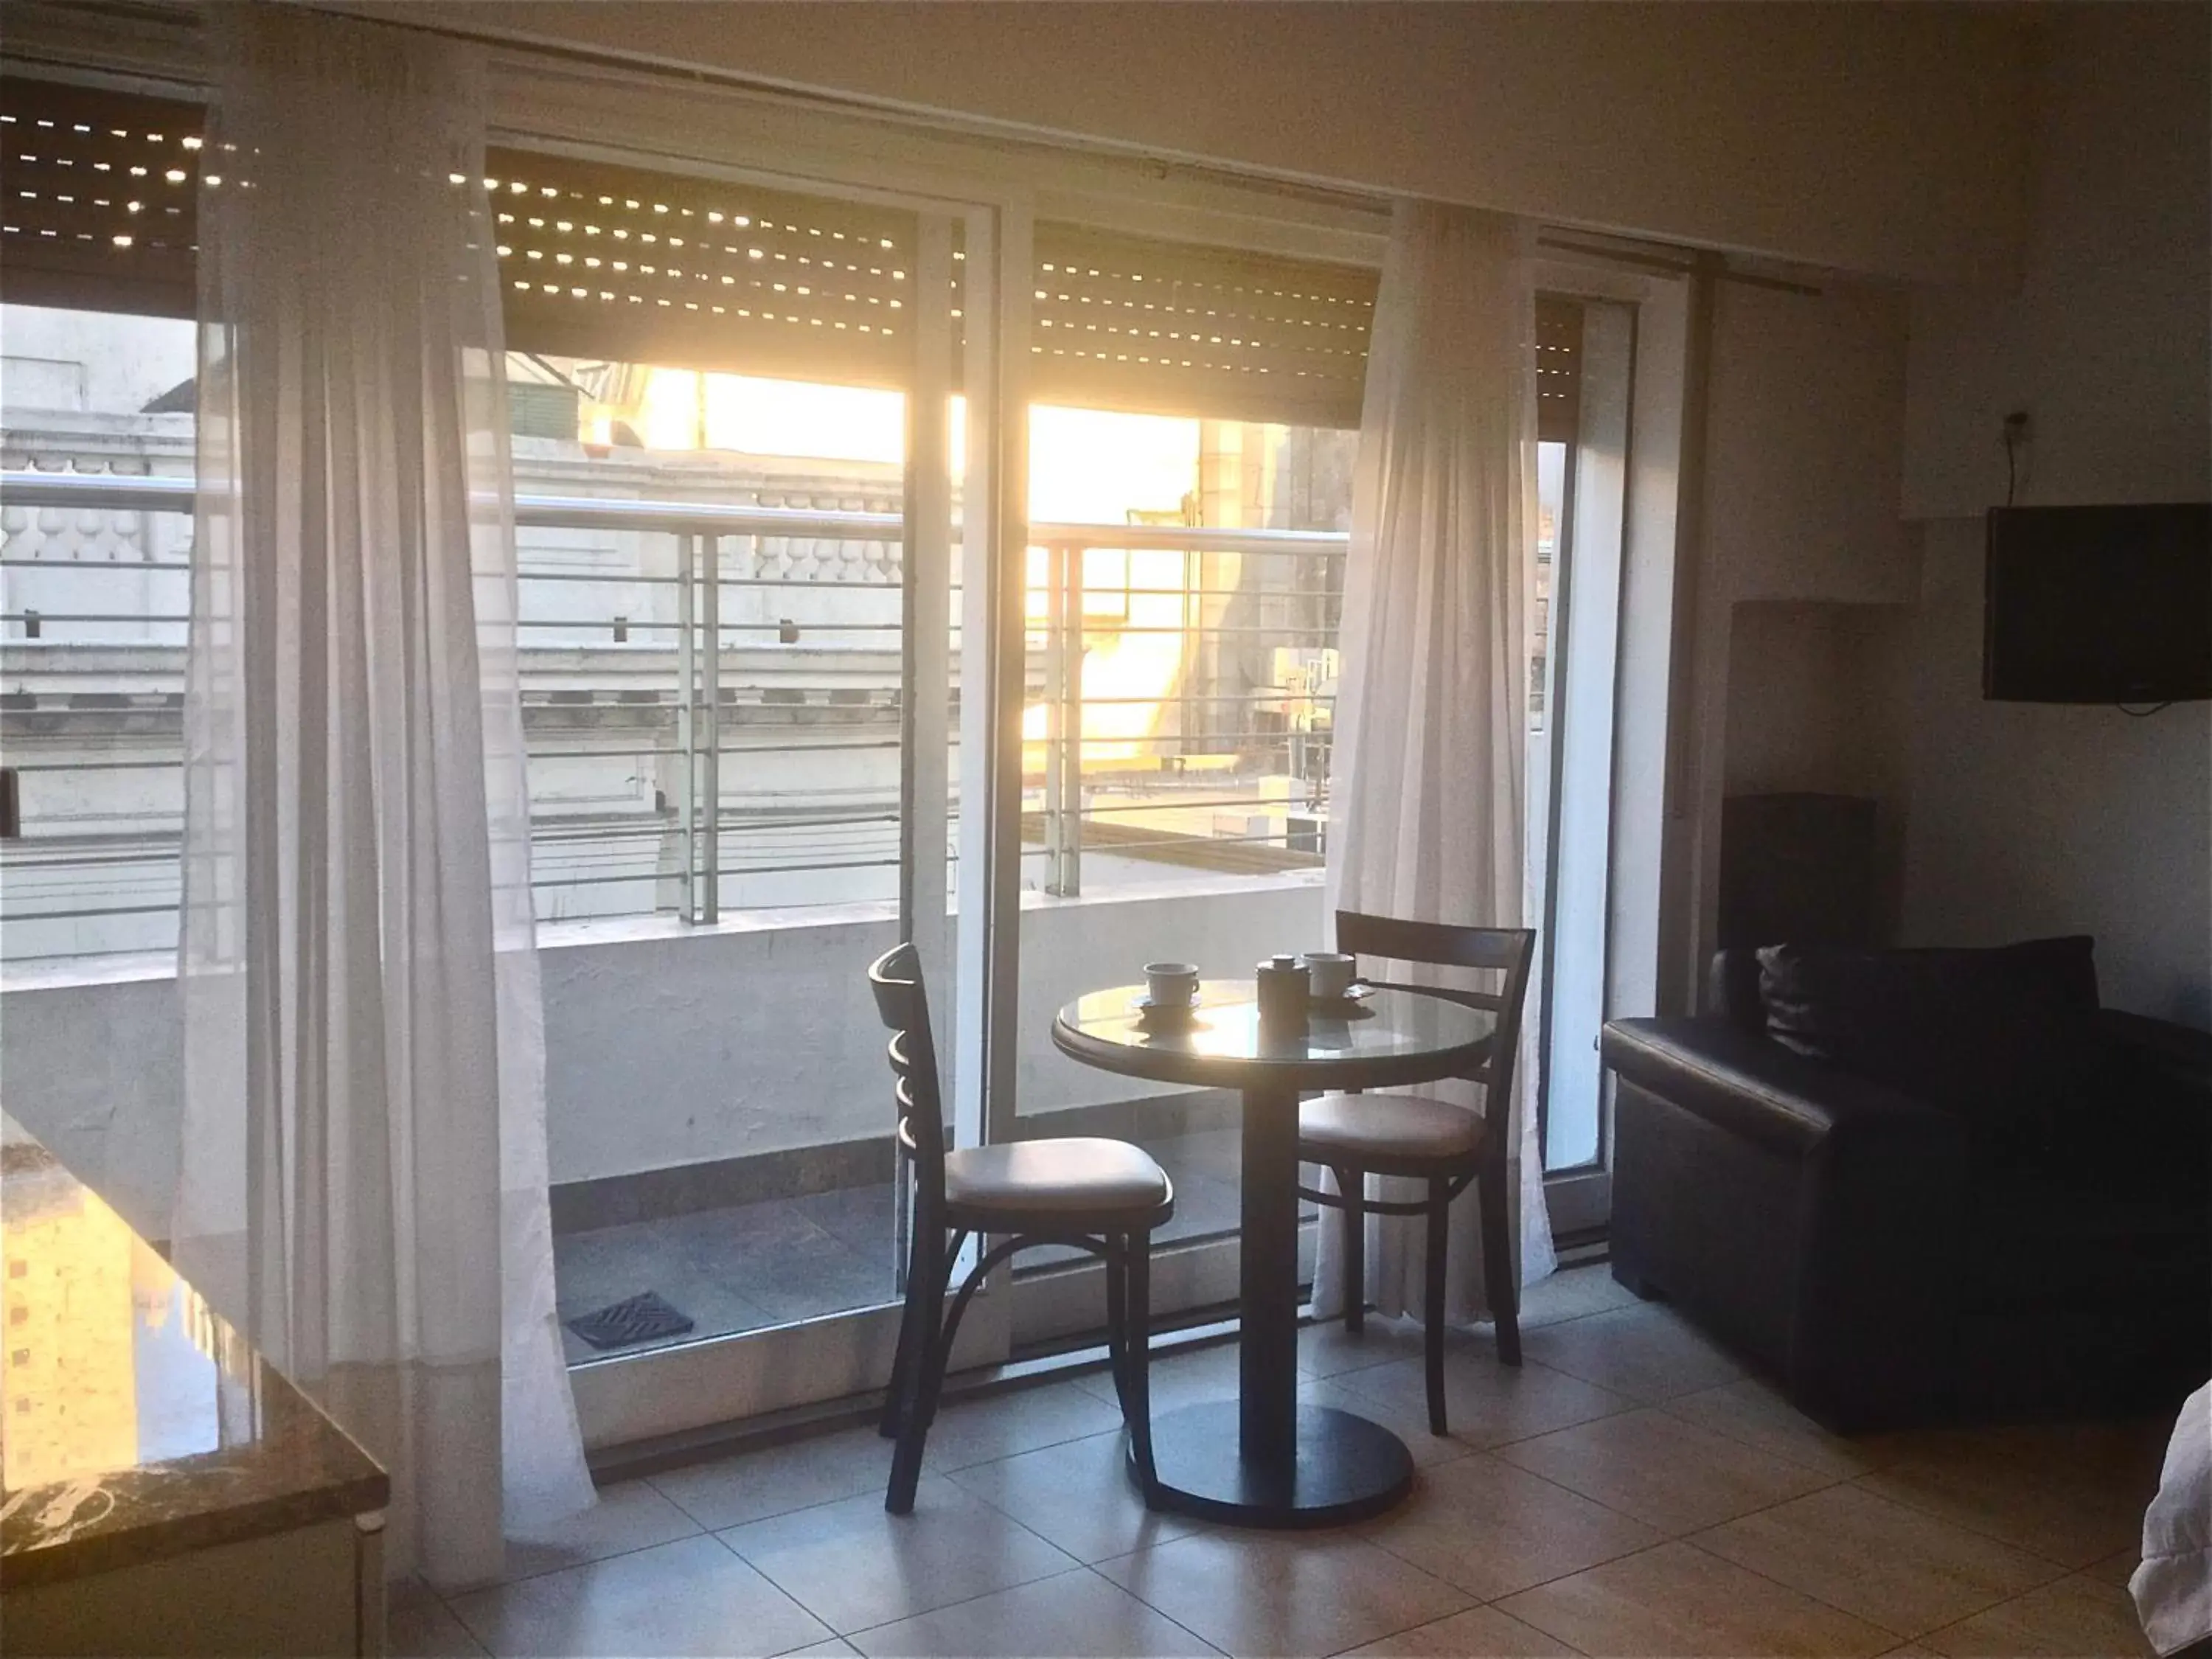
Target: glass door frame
x=628, y=1397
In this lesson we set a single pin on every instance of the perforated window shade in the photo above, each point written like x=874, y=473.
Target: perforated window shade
x=1169, y=328
x=620, y=264
x=611, y=262
x=99, y=196
x=1558, y=368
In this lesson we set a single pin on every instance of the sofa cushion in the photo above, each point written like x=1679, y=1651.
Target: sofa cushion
x=2006, y=1038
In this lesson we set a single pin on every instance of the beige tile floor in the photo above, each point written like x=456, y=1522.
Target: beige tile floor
x=1628, y=1491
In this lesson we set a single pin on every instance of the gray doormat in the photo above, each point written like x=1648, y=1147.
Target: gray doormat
x=640, y=1318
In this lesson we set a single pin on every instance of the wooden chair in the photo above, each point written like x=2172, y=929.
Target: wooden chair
x=1359, y=1134
x=1102, y=1196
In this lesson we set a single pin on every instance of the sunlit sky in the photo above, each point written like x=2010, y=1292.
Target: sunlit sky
x=1086, y=465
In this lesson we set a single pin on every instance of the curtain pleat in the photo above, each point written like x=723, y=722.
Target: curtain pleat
x=1429, y=795
x=364, y=1167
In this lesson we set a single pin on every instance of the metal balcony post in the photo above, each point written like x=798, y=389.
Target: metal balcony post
x=1055, y=713
x=687, y=706
x=710, y=808
x=1070, y=725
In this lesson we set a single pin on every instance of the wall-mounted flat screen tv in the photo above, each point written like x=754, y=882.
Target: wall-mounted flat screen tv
x=2098, y=604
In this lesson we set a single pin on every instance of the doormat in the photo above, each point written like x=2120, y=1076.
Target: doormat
x=641, y=1318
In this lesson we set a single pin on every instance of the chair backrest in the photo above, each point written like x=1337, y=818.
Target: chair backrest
x=903, y=1005
x=1509, y=952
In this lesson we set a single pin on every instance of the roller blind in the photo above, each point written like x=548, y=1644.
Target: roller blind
x=1120, y=322
x=1558, y=368
x=1170, y=328
x=613, y=262
x=99, y=194
x=603, y=261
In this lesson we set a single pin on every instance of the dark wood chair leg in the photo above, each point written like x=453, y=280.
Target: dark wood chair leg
x=1499, y=1281
x=1117, y=1316
x=909, y=1338
x=935, y=1353
x=1433, y=1312
x=1352, y=1183
x=1137, y=1343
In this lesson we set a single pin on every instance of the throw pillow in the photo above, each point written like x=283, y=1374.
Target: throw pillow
x=2005, y=1037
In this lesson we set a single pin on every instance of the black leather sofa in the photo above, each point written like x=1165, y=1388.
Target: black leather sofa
x=1917, y=1185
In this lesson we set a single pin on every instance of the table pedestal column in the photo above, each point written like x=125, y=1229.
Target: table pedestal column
x=1262, y=1460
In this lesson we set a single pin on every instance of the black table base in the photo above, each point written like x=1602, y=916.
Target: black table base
x=1346, y=1469
x=1262, y=1459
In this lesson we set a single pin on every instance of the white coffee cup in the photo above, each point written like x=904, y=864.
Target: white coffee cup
x=1171, y=984
x=1329, y=974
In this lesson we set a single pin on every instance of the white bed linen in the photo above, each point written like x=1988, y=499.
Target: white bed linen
x=2172, y=1588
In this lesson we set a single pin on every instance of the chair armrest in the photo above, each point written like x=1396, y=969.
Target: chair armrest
x=1754, y=1087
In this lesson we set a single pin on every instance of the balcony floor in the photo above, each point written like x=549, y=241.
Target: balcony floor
x=748, y=1266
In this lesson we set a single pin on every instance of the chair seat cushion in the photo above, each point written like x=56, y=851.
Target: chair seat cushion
x=1387, y=1125
x=1065, y=1175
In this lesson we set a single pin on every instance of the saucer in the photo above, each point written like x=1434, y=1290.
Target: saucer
x=1344, y=1007
x=1145, y=1004
x=1164, y=1016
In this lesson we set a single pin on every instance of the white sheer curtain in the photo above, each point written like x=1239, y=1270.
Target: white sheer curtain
x=1428, y=793
x=364, y=1178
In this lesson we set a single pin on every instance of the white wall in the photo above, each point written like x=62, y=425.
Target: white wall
x=2029, y=819
x=1882, y=138
x=663, y=1048
x=1804, y=447
x=1818, y=701
x=2107, y=342
x=1803, y=556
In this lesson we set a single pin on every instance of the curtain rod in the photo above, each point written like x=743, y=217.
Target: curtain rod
x=1378, y=203
x=1008, y=134
x=1709, y=265
x=1644, y=253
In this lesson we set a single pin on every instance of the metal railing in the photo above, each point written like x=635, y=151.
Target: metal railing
x=1233, y=628
x=804, y=682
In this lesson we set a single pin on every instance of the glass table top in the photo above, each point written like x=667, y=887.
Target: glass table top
x=1388, y=1036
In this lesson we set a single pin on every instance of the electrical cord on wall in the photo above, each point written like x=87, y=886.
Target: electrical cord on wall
x=2143, y=714
x=2015, y=435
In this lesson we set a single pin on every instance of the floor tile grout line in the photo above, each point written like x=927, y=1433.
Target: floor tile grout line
x=1091, y=1567
x=1671, y=1400
x=1492, y=1600
x=1949, y=1521
x=1906, y=1502
x=1691, y=1540
x=1748, y=1444
x=504, y=1582
x=1473, y=1600
x=1904, y=1638
x=1087, y=1567
x=1829, y=1482
x=846, y=1637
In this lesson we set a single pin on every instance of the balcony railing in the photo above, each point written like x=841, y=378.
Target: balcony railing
x=1179, y=684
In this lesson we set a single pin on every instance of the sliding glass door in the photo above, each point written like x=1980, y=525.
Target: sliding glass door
x=1582, y=473
x=754, y=436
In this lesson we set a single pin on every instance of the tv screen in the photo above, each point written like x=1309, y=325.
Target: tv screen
x=2099, y=604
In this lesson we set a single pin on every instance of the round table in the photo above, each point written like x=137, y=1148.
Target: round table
x=1262, y=1460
